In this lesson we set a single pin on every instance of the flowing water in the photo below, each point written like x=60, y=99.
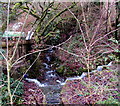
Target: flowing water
x=52, y=83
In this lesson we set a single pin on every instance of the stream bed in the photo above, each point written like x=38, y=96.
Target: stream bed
x=52, y=93
x=52, y=83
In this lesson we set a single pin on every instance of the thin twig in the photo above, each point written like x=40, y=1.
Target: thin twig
x=83, y=35
x=104, y=36
x=21, y=32
x=25, y=73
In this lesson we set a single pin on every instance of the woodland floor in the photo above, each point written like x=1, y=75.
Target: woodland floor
x=103, y=88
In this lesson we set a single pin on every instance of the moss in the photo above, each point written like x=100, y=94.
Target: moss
x=4, y=26
x=61, y=69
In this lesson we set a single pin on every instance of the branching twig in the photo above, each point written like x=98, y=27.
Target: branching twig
x=25, y=73
x=21, y=33
x=83, y=35
x=103, y=36
x=56, y=17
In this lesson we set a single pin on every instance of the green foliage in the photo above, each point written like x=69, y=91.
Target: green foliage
x=18, y=94
x=94, y=94
x=109, y=101
x=47, y=19
x=13, y=13
x=61, y=69
x=113, y=40
x=17, y=5
x=47, y=30
x=53, y=37
x=76, y=42
x=1, y=57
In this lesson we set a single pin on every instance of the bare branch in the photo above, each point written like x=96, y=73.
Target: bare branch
x=104, y=36
x=25, y=73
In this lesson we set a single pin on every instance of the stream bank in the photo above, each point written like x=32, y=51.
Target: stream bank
x=50, y=81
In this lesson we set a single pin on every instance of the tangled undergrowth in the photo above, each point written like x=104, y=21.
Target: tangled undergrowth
x=103, y=89
x=33, y=94
x=17, y=98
